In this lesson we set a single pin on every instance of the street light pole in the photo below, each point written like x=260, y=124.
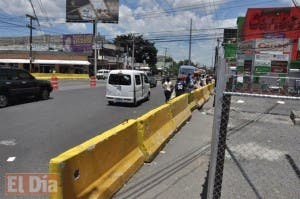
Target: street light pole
x=190, y=43
x=95, y=46
x=30, y=40
x=132, y=59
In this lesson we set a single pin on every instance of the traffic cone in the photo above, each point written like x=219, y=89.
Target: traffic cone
x=54, y=83
x=93, y=81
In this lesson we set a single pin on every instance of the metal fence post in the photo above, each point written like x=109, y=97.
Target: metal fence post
x=219, y=130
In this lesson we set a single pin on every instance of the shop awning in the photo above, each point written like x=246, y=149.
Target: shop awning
x=45, y=61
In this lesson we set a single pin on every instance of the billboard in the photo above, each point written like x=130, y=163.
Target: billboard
x=105, y=11
x=77, y=43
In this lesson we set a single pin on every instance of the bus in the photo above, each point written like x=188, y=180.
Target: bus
x=184, y=70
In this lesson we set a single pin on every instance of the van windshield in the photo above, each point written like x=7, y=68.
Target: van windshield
x=119, y=79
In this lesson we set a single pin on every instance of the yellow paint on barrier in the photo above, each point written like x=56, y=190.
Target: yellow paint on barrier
x=155, y=128
x=211, y=88
x=199, y=97
x=206, y=93
x=100, y=166
x=192, y=100
x=180, y=109
x=61, y=76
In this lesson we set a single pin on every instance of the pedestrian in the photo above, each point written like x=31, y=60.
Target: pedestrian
x=179, y=87
x=189, y=83
x=168, y=88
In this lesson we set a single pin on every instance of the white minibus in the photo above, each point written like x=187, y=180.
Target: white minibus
x=127, y=86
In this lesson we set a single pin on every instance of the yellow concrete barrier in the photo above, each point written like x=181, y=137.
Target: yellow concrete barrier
x=155, y=128
x=192, y=100
x=100, y=166
x=180, y=109
x=211, y=88
x=61, y=76
x=199, y=96
x=206, y=93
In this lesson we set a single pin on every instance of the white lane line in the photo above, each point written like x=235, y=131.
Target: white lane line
x=280, y=102
x=11, y=159
x=240, y=101
x=11, y=142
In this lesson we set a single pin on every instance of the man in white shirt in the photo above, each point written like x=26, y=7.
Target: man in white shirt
x=168, y=88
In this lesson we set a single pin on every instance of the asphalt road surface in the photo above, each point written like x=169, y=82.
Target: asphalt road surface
x=32, y=132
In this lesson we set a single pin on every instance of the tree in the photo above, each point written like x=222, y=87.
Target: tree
x=144, y=50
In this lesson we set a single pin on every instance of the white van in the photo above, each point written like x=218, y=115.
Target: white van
x=102, y=74
x=127, y=86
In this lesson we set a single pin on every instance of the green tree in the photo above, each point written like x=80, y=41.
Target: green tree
x=144, y=50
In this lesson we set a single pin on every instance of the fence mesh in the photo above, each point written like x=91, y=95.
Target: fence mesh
x=258, y=149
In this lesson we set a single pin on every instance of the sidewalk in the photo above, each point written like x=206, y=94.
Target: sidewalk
x=180, y=168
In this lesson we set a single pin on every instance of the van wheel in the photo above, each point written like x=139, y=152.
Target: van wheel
x=3, y=101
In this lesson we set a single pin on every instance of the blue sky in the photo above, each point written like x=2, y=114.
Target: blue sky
x=165, y=22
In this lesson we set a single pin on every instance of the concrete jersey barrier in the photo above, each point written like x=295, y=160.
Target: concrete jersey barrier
x=100, y=166
x=180, y=109
x=154, y=129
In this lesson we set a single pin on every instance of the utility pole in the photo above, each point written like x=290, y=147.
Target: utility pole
x=30, y=39
x=190, y=46
x=165, y=58
x=95, y=45
x=132, y=59
x=216, y=55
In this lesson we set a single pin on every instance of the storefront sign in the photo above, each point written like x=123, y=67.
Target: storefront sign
x=279, y=66
x=269, y=57
x=262, y=69
x=280, y=45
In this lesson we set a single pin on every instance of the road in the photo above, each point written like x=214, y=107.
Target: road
x=35, y=131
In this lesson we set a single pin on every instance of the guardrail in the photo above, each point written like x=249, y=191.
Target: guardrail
x=100, y=166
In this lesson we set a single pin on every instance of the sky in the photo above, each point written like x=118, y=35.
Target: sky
x=164, y=22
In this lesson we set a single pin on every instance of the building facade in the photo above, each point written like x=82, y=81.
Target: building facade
x=71, y=53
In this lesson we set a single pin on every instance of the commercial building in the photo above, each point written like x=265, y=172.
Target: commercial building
x=267, y=50
x=72, y=53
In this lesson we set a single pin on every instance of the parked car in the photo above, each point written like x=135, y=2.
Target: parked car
x=17, y=83
x=152, y=81
x=102, y=74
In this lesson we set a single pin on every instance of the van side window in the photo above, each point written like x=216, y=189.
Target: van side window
x=137, y=79
x=146, y=79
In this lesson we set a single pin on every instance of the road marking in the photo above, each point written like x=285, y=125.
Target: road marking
x=280, y=102
x=240, y=101
x=8, y=142
x=11, y=159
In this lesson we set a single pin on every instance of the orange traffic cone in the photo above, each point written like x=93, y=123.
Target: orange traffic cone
x=93, y=81
x=54, y=83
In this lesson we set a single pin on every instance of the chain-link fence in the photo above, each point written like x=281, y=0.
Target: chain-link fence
x=255, y=147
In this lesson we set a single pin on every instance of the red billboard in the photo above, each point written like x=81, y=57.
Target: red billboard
x=273, y=23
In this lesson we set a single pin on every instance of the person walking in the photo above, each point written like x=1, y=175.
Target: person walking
x=168, y=88
x=179, y=87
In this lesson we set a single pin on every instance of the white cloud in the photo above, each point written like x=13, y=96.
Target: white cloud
x=77, y=27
